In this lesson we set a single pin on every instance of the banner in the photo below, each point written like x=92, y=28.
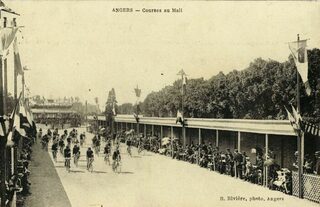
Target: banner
x=17, y=60
x=179, y=118
x=300, y=56
x=7, y=36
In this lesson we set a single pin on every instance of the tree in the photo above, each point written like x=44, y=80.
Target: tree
x=258, y=92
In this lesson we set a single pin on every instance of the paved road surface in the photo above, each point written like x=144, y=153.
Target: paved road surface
x=46, y=186
x=152, y=180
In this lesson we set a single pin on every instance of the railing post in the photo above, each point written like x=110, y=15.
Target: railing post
x=161, y=135
x=184, y=136
x=239, y=141
x=199, y=149
x=172, y=141
x=217, y=138
x=152, y=130
x=266, y=157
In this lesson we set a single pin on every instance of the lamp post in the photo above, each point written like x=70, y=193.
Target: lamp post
x=89, y=90
x=183, y=85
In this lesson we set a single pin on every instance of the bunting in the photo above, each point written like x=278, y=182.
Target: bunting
x=310, y=128
x=301, y=125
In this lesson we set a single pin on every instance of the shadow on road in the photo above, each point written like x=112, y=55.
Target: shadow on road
x=76, y=171
x=126, y=172
x=96, y=171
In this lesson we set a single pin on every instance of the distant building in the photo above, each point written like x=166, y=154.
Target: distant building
x=58, y=115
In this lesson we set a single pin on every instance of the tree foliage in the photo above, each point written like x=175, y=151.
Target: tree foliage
x=258, y=92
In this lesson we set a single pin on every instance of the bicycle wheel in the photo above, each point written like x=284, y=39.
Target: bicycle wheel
x=119, y=167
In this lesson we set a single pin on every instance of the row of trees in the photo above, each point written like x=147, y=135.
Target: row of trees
x=258, y=92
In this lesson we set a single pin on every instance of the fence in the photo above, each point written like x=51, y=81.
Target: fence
x=311, y=186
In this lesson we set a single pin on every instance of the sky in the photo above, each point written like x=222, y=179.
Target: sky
x=73, y=46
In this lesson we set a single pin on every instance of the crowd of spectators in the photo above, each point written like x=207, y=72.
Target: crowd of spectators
x=18, y=182
x=229, y=162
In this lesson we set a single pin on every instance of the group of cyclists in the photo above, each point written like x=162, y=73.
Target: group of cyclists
x=69, y=146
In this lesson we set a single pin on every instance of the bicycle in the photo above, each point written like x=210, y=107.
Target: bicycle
x=61, y=149
x=97, y=150
x=90, y=164
x=140, y=148
x=54, y=155
x=116, y=166
x=81, y=142
x=107, y=158
x=76, y=159
x=67, y=164
x=129, y=151
x=44, y=145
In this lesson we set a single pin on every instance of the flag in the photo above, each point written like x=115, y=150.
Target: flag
x=24, y=122
x=184, y=85
x=16, y=119
x=293, y=122
x=113, y=110
x=7, y=36
x=299, y=53
x=17, y=60
x=179, y=118
x=296, y=116
x=4, y=125
x=17, y=125
x=2, y=130
x=137, y=92
x=10, y=141
x=136, y=116
x=290, y=117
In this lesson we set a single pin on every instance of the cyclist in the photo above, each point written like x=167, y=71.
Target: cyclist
x=82, y=137
x=140, y=145
x=44, y=141
x=94, y=139
x=90, y=157
x=39, y=135
x=129, y=146
x=69, y=141
x=97, y=146
x=67, y=157
x=76, y=154
x=54, y=149
x=61, y=144
x=107, y=151
x=65, y=132
x=116, y=157
x=55, y=132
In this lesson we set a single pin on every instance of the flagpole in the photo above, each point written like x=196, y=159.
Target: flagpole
x=182, y=73
x=300, y=137
x=2, y=142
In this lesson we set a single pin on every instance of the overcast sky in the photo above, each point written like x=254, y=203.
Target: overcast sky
x=73, y=46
